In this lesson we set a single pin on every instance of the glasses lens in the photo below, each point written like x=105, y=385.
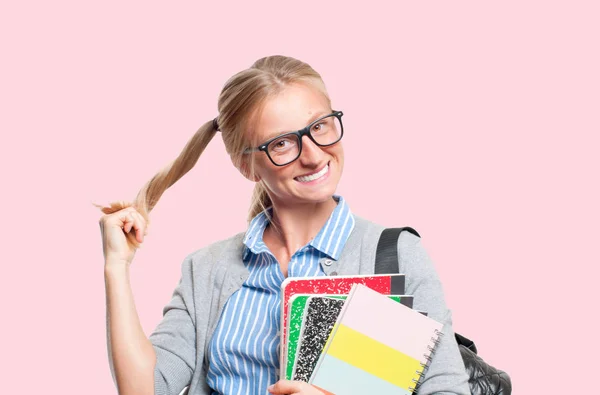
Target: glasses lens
x=327, y=131
x=284, y=149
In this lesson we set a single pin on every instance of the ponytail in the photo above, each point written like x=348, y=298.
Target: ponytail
x=151, y=192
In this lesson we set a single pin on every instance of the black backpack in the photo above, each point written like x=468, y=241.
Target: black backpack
x=484, y=379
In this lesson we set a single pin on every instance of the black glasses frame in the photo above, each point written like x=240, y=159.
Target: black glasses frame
x=300, y=133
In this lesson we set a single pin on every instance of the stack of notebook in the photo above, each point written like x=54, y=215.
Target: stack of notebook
x=354, y=335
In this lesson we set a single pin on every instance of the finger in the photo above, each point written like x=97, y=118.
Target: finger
x=127, y=220
x=135, y=225
x=128, y=216
x=284, y=387
x=141, y=223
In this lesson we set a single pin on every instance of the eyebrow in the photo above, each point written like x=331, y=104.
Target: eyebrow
x=313, y=118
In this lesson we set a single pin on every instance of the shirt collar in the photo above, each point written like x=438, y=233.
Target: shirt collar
x=330, y=240
x=253, y=240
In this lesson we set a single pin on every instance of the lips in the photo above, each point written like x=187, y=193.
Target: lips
x=313, y=176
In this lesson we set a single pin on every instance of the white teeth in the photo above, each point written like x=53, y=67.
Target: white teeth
x=314, y=176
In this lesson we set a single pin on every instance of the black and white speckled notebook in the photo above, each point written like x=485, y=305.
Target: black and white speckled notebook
x=319, y=318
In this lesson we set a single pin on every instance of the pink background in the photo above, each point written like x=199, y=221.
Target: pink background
x=477, y=123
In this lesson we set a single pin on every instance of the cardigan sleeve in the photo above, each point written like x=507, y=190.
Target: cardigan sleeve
x=174, y=339
x=446, y=373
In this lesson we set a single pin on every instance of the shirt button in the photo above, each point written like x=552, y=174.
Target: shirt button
x=334, y=273
x=327, y=262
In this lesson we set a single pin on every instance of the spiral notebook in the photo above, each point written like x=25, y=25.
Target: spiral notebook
x=298, y=312
x=377, y=346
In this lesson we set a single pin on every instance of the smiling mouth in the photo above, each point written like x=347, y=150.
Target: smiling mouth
x=313, y=176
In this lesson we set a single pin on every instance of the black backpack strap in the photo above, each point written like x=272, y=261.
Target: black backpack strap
x=386, y=257
x=386, y=262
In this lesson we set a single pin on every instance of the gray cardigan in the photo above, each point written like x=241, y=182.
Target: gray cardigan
x=210, y=275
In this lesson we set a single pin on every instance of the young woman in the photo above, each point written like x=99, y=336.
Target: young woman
x=220, y=332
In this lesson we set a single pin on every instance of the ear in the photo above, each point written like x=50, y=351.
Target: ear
x=244, y=168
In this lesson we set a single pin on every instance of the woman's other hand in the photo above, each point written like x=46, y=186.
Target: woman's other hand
x=287, y=387
x=118, y=244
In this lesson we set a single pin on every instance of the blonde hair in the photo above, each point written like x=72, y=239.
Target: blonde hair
x=240, y=105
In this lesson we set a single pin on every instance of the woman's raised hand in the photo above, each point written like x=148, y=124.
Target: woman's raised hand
x=288, y=387
x=118, y=244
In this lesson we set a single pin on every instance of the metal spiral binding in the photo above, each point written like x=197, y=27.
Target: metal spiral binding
x=435, y=340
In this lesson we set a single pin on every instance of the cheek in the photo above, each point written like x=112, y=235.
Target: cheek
x=261, y=170
x=337, y=152
x=272, y=174
x=284, y=173
x=339, y=155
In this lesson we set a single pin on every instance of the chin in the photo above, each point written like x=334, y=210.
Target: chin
x=318, y=195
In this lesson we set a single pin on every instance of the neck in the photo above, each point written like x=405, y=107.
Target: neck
x=297, y=224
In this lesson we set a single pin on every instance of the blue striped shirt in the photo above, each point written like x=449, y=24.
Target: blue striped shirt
x=244, y=349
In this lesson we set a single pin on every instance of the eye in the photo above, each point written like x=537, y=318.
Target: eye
x=321, y=126
x=282, y=144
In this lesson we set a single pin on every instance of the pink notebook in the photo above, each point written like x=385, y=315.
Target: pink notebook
x=377, y=346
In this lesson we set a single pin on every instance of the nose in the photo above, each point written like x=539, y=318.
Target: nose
x=312, y=154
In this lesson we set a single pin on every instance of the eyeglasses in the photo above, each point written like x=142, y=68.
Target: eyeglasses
x=286, y=148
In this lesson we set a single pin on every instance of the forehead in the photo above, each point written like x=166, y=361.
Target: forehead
x=294, y=108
